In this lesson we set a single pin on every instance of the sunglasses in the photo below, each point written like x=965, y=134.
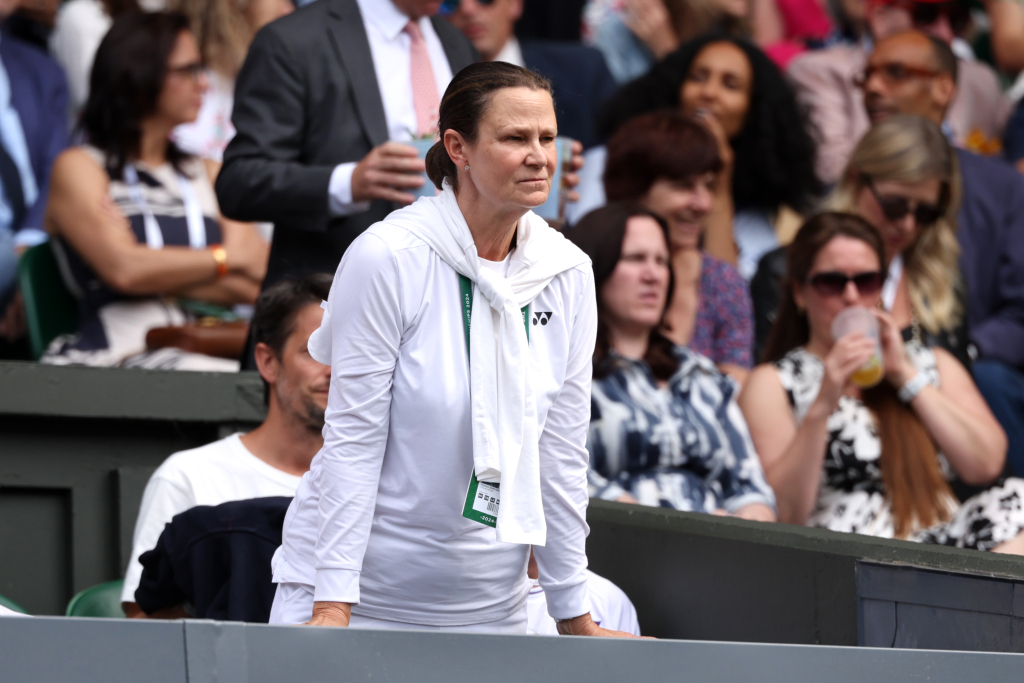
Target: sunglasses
x=449, y=7
x=834, y=283
x=896, y=208
x=892, y=73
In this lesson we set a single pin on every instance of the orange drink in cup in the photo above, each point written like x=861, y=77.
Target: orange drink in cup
x=859, y=319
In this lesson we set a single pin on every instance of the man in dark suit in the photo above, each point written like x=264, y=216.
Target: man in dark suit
x=323, y=97
x=579, y=74
x=33, y=131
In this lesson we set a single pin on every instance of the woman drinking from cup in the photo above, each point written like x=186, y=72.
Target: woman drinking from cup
x=873, y=460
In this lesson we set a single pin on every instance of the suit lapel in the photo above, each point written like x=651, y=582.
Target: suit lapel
x=354, y=49
x=457, y=54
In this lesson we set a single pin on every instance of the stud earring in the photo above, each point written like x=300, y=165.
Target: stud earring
x=467, y=168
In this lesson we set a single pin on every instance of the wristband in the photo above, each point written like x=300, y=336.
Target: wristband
x=221, y=257
x=913, y=387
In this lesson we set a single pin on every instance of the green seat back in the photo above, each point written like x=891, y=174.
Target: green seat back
x=50, y=309
x=11, y=605
x=101, y=600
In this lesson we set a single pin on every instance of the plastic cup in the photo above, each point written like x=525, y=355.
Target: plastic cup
x=427, y=189
x=858, y=319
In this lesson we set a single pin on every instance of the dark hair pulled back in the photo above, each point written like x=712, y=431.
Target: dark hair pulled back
x=127, y=78
x=600, y=235
x=464, y=105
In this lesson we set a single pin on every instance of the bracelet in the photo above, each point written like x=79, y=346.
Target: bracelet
x=221, y=257
x=913, y=387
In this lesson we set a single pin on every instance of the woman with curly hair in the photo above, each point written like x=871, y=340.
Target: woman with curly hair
x=767, y=151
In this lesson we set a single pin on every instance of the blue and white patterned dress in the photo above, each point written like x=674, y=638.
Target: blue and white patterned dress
x=685, y=446
x=852, y=494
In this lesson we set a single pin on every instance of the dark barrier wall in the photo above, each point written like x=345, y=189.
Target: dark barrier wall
x=77, y=446
x=715, y=578
x=95, y=651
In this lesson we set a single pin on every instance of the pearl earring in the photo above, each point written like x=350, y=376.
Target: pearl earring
x=467, y=168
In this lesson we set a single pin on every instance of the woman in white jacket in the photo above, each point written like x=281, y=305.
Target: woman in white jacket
x=455, y=438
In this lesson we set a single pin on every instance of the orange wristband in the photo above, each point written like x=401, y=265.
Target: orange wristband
x=221, y=257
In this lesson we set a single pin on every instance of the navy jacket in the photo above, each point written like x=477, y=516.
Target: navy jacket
x=39, y=93
x=991, y=234
x=581, y=82
x=216, y=558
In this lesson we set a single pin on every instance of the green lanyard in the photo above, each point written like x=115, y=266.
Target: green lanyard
x=482, y=498
x=467, y=309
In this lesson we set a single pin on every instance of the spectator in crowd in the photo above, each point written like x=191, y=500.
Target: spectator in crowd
x=268, y=461
x=829, y=84
x=578, y=74
x=318, y=146
x=670, y=164
x=77, y=32
x=138, y=216
x=665, y=429
x=33, y=131
x=787, y=28
x=634, y=35
x=903, y=179
x=609, y=606
x=380, y=521
x=224, y=30
x=990, y=231
x=766, y=150
x=872, y=460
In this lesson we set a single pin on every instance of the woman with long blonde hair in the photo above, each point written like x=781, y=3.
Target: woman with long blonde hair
x=903, y=178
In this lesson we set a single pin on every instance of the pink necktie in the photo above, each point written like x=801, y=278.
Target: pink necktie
x=424, y=87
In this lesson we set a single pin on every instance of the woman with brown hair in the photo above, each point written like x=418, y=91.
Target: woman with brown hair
x=875, y=461
x=664, y=426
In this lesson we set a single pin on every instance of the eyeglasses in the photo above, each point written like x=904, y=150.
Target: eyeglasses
x=892, y=73
x=193, y=70
x=449, y=7
x=896, y=208
x=833, y=283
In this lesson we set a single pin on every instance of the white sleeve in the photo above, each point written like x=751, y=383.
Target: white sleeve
x=339, y=192
x=563, y=472
x=161, y=501
x=366, y=331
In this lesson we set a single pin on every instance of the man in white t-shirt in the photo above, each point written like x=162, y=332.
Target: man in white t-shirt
x=609, y=607
x=270, y=460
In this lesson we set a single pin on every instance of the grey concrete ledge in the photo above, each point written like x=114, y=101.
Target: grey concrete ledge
x=94, y=650
x=119, y=393
x=622, y=518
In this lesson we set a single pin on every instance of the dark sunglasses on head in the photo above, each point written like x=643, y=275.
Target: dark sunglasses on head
x=896, y=208
x=833, y=283
x=449, y=7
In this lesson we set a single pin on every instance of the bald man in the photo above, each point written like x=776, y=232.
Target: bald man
x=826, y=83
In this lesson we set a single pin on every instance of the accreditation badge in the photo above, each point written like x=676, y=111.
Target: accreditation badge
x=482, y=501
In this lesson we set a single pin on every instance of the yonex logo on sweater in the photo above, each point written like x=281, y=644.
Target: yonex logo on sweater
x=541, y=317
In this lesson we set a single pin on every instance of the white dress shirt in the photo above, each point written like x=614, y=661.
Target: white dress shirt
x=378, y=519
x=511, y=53
x=389, y=46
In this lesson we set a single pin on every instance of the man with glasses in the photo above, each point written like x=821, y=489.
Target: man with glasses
x=829, y=81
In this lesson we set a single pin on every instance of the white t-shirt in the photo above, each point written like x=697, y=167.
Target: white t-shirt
x=378, y=520
x=219, y=472
x=609, y=608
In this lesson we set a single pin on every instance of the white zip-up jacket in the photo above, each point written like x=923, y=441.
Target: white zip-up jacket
x=378, y=518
